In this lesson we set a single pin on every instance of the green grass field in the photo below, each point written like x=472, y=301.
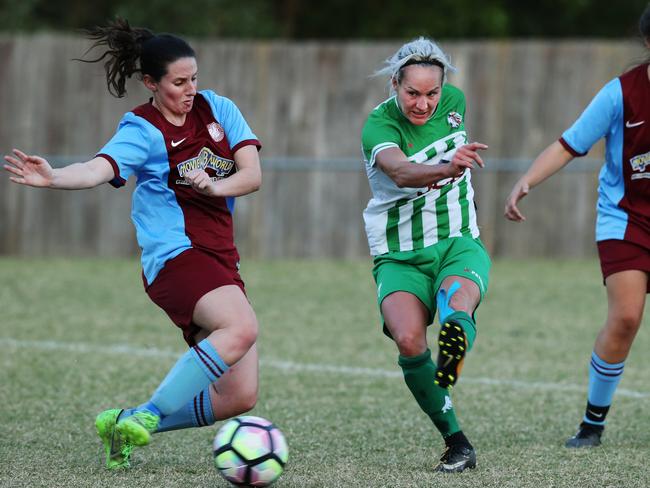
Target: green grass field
x=79, y=336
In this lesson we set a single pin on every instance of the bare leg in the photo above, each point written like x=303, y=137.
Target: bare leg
x=229, y=324
x=466, y=298
x=229, y=320
x=626, y=294
x=236, y=392
x=406, y=319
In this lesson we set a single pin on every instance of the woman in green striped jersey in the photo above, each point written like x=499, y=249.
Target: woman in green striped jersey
x=422, y=231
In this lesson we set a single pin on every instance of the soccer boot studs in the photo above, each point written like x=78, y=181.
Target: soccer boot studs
x=452, y=347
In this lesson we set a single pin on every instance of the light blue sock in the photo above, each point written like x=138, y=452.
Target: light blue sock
x=150, y=407
x=193, y=372
x=196, y=413
x=604, y=377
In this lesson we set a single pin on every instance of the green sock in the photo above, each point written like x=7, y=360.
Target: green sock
x=419, y=373
x=467, y=323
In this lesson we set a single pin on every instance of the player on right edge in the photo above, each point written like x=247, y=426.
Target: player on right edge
x=620, y=113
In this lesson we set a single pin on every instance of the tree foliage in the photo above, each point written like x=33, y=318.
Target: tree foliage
x=337, y=19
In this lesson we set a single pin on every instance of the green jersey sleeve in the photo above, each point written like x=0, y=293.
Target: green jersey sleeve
x=379, y=132
x=452, y=106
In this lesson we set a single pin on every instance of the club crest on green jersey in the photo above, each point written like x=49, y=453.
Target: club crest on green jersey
x=454, y=119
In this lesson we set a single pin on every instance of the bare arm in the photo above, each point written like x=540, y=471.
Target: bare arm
x=550, y=161
x=32, y=170
x=405, y=174
x=247, y=179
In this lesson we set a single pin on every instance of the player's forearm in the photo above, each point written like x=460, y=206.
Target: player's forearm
x=71, y=177
x=549, y=162
x=243, y=182
x=78, y=176
x=410, y=175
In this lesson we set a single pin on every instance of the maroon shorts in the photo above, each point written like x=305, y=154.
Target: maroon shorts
x=616, y=255
x=185, y=279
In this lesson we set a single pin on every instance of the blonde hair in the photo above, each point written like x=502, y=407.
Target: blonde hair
x=421, y=51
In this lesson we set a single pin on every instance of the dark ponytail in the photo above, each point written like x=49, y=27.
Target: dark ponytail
x=125, y=45
x=644, y=24
x=644, y=32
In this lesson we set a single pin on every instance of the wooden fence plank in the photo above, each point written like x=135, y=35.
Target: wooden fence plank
x=310, y=101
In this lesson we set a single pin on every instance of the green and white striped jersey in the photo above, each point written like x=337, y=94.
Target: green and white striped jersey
x=405, y=219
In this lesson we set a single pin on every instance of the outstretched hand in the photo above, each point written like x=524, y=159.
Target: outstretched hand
x=28, y=170
x=519, y=191
x=465, y=158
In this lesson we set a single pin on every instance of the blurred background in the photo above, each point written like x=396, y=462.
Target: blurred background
x=301, y=72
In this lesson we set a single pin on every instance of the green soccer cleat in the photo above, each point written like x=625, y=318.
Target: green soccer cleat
x=117, y=449
x=137, y=428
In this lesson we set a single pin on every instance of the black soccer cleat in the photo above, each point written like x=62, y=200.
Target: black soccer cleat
x=452, y=347
x=588, y=435
x=456, y=458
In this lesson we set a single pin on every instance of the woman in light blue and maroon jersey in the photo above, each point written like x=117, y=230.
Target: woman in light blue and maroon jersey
x=620, y=113
x=191, y=153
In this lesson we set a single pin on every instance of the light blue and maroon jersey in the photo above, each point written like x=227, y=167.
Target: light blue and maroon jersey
x=169, y=216
x=620, y=112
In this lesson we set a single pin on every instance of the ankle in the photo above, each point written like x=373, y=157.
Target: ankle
x=458, y=439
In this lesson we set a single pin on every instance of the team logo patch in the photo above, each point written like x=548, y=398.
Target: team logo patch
x=204, y=160
x=216, y=131
x=448, y=405
x=640, y=162
x=454, y=119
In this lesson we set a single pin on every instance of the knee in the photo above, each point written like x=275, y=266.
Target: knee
x=246, y=332
x=624, y=326
x=410, y=343
x=237, y=405
x=247, y=402
x=244, y=402
x=464, y=300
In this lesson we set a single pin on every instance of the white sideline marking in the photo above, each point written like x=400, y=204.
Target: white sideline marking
x=290, y=366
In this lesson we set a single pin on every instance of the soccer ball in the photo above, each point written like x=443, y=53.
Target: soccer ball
x=250, y=451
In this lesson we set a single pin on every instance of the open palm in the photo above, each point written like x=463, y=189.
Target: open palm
x=28, y=169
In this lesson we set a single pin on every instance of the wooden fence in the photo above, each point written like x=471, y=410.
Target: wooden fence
x=307, y=103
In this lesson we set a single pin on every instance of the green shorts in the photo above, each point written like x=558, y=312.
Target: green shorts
x=422, y=272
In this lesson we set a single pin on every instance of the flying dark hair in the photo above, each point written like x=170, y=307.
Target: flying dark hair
x=125, y=46
x=644, y=23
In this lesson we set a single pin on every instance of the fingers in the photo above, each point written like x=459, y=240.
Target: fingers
x=14, y=170
x=468, y=153
x=20, y=181
x=16, y=162
x=199, y=180
x=511, y=211
x=20, y=159
x=20, y=154
x=194, y=176
x=19, y=175
x=461, y=162
x=476, y=145
x=16, y=165
x=474, y=158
